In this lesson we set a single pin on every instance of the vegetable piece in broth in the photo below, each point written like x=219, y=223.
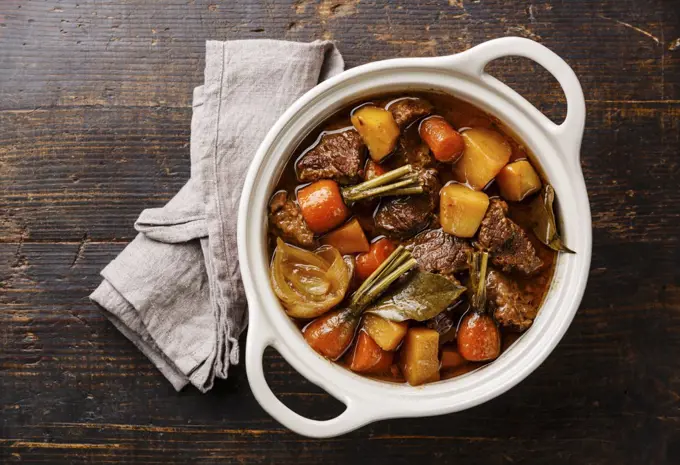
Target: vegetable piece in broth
x=421, y=297
x=331, y=334
x=478, y=337
x=309, y=283
x=543, y=218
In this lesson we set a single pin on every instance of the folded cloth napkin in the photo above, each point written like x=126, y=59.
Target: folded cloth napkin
x=175, y=291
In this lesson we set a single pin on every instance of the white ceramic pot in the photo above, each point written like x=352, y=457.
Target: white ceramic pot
x=557, y=149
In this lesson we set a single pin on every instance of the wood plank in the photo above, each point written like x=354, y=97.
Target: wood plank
x=58, y=165
x=151, y=53
x=94, y=127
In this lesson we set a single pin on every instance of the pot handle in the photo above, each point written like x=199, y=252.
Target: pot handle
x=567, y=135
x=356, y=414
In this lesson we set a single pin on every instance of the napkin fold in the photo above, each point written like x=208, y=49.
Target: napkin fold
x=175, y=291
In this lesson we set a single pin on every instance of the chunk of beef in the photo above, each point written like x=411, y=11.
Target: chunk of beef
x=510, y=307
x=508, y=244
x=402, y=217
x=439, y=252
x=287, y=221
x=429, y=179
x=409, y=109
x=338, y=156
x=446, y=323
x=413, y=151
x=442, y=322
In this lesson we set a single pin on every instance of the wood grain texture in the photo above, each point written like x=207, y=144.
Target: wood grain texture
x=94, y=127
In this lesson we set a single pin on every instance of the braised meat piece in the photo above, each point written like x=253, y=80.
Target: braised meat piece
x=409, y=109
x=507, y=243
x=442, y=322
x=445, y=324
x=439, y=252
x=402, y=217
x=338, y=156
x=429, y=179
x=510, y=307
x=287, y=221
x=413, y=151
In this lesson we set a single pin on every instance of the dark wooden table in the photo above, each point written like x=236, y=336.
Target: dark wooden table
x=94, y=127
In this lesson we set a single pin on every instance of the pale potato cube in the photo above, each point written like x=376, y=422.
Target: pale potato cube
x=420, y=356
x=461, y=209
x=387, y=334
x=486, y=153
x=377, y=128
x=518, y=180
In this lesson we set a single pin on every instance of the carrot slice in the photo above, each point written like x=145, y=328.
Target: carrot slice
x=368, y=357
x=332, y=333
x=322, y=206
x=478, y=338
x=451, y=358
x=368, y=262
x=373, y=170
x=348, y=238
x=446, y=143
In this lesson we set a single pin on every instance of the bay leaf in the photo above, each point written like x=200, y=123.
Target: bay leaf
x=543, y=218
x=420, y=297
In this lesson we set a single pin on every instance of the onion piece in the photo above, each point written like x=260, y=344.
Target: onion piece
x=309, y=283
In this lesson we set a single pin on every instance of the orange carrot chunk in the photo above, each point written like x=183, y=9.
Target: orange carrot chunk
x=446, y=143
x=368, y=262
x=451, y=358
x=348, y=238
x=373, y=170
x=368, y=357
x=332, y=333
x=478, y=338
x=322, y=206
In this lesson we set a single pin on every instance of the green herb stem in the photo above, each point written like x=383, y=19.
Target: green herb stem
x=407, y=191
x=478, y=269
x=377, y=273
x=374, y=291
x=398, y=263
x=401, y=181
x=387, y=177
x=383, y=191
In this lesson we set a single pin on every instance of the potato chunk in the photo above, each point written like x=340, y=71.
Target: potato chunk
x=377, y=128
x=518, y=180
x=419, y=356
x=486, y=153
x=461, y=209
x=387, y=334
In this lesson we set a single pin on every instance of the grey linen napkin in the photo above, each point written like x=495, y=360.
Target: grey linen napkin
x=175, y=291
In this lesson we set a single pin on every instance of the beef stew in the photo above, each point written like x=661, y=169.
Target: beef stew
x=413, y=238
